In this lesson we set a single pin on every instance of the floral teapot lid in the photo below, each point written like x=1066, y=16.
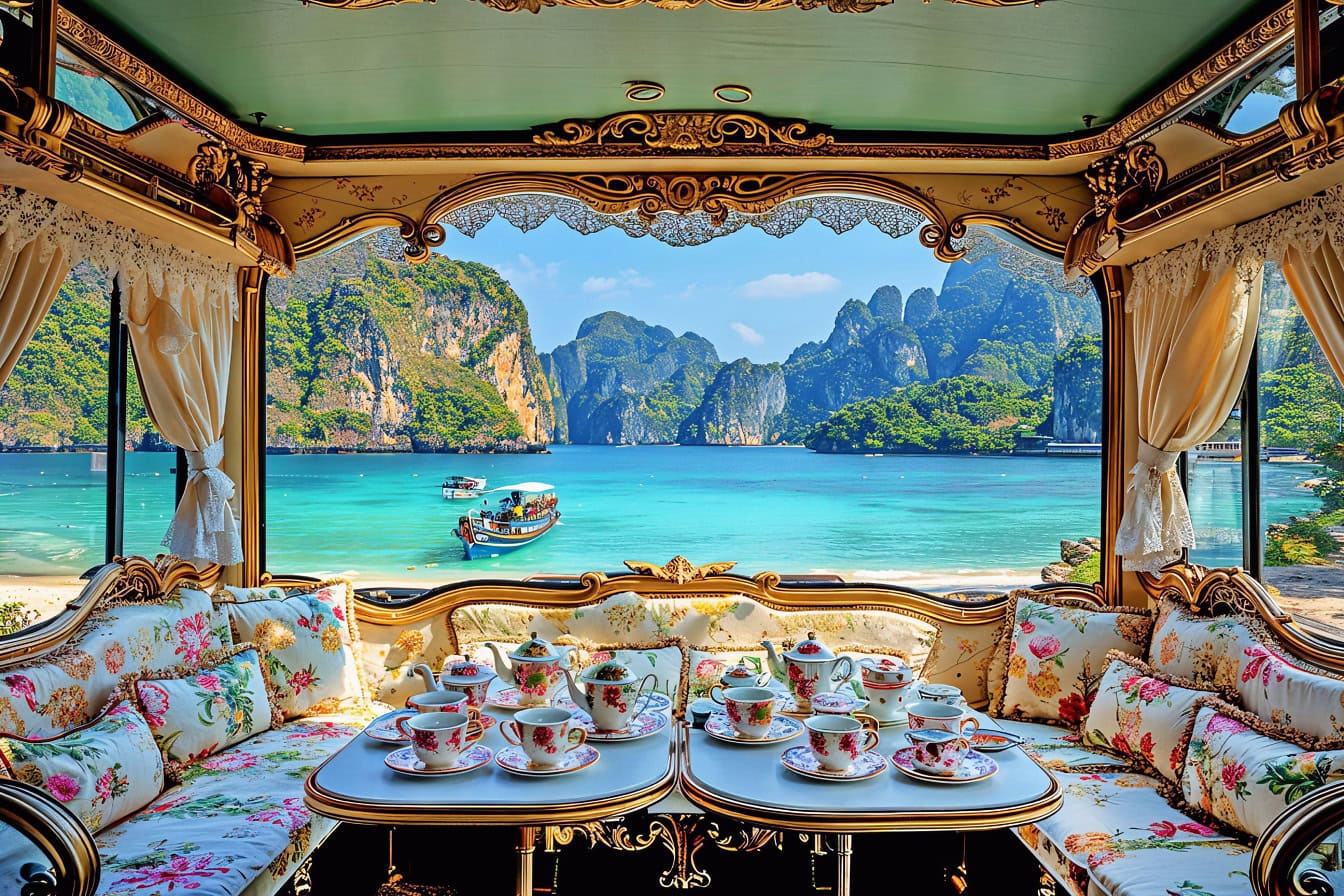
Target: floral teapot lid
x=535, y=650
x=810, y=649
x=612, y=671
x=467, y=672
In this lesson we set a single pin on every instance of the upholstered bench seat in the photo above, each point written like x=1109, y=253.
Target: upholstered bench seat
x=1057, y=749
x=236, y=826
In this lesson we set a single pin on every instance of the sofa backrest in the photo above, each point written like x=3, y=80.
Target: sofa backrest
x=1221, y=626
x=132, y=616
x=951, y=636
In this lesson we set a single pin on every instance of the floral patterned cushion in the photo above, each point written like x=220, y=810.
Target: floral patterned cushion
x=1244, y=771
x=708, y=666
x=196, y=713
x=1058, y=749
x=102, y=771
x=1111, y=813
x=308, y=640
x=1056, y=653
x=1141, y=715
x=1238, y=653
x=236, y=825
x=67, y=688
x=1192, y=869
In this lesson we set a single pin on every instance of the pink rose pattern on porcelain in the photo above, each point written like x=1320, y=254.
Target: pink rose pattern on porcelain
x=974, y=766
x=803, y=761
x=537, y=681
x=752, y=718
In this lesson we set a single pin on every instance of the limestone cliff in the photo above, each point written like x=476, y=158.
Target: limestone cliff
x=369, y=352
x=741, y=407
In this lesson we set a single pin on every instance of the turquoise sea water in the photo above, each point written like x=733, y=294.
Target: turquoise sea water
x=786, y=509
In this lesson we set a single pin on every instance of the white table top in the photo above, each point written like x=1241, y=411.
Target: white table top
x=355, y=785
x=749, y=783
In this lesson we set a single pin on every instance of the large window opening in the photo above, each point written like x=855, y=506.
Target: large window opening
x=69, y=500
x=822, y=403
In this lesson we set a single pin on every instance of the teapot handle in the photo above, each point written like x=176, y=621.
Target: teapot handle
x=846, y=663
x=647, y=685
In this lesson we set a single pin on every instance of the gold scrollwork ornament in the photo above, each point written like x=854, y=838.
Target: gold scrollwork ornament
x=679, y=570
x=683, y=131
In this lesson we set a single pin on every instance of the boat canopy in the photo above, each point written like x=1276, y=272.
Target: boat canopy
x=531, y=487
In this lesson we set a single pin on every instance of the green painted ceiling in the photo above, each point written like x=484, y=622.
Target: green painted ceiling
x=460, y=66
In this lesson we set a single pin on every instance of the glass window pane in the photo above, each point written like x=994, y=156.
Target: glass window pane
x=53, y=435
x=954, y=410
x=1302, y=460
x=1215, y=495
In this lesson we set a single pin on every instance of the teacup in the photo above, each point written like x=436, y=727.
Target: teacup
x=940, y=693
x=887, y=702
x=941, y=717
x=440, y=738
x=443, y=701
x=937, y=751
x=837, y=741
x=546, y=734
x=751, y=710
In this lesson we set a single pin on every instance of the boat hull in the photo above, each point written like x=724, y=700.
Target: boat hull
x=461, y=494
x=480, y=539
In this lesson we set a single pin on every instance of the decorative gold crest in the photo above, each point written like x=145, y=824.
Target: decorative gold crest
x=679, y=570
x=683, y=131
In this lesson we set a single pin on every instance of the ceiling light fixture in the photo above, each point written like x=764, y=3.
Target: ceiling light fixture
x=643, y=91
x=733, y=94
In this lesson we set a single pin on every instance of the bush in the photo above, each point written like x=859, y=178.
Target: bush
x=1089, y=572
x=1299, y=542
x=15, y=615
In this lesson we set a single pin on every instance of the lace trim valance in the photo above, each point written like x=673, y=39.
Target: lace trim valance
x=1304, y=225
x=113, y=249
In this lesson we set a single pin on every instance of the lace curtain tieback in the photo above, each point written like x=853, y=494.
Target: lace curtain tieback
x=219, y=487
x=1156, y=524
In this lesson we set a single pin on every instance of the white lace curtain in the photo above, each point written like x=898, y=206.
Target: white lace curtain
x=1195, y=310
x=179, y=308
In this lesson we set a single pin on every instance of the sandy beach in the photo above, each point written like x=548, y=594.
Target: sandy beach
x=45, y=595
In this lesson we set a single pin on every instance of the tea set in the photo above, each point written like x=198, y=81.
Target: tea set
x=550, y=730
x=842, y=727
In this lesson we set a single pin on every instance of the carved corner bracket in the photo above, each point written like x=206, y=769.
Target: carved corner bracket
x=37, y=135
x=684, y=131
x=233, y=184
x=1124, y=180
x=1315, y=127
x=679, y=570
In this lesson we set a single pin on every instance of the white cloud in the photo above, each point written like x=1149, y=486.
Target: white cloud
x=790, y=286
x=746, y=333
x=689, y=291
x=625, y=280
x=599, y=284
x=527, y=274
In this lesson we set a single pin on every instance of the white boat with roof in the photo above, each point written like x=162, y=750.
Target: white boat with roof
x=457, y=488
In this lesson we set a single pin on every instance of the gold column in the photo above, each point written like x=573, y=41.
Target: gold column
x=1115, y=426
x=242, y=423
x=1306, y=46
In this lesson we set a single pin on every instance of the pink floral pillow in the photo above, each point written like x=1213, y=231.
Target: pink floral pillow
x=197, y=713
x=1244, y=771
x=1055, y=654
x=1141, y=715
x=102, y=771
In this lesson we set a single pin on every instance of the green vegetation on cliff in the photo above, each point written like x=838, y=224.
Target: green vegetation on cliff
x=957, y=414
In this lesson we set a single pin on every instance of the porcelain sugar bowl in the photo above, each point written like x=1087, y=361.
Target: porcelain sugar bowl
x=809, y=668
x=472, y=679
x=534, y=667
x=610, y=693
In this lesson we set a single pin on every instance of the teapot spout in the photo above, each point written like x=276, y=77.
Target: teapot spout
x=427, y=676
x=576, y=693
x=776, y=664
x=502, y=665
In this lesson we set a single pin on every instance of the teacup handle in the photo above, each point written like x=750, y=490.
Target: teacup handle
x=401, y=723
x=647, y=684
x=575, y=744
x=716, y=694
x=846, y=663
x=511, y=732
x=475, y=731
x=969, y=723
x=871, y=739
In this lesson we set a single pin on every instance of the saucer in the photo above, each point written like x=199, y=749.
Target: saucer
x=902, y=719
x=385, y=728
x=973, y=767
x=641, y=725
x=513, y=759
x=511, y=698
x=781, y=729
x=837, y=703
x=802, y=760
x=992, y=740
x=404, y=761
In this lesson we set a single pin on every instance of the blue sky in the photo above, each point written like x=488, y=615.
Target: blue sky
x=751, y=294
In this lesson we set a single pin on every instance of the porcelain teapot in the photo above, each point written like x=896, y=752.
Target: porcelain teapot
x=742, y=676
x=610, y=693
x=471, y=678
x=534, y=667
x=809, y=668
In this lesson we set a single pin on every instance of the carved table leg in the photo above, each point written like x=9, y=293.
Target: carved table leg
x=527, y=845
x=844, y=851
